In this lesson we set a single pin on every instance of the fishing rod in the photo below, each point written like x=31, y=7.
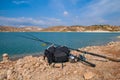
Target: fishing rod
x=49, y=43
x=85, y=52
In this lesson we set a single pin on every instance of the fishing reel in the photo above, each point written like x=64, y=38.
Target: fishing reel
x=82, y=57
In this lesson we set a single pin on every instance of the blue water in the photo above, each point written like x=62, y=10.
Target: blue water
x=14, y=45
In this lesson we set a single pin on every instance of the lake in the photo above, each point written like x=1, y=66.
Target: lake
x=15, y=45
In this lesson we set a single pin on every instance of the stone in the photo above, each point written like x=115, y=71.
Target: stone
x=9, y=73
x=5, y=57
x=75, y=72
x=3, y=74
x=88, y=75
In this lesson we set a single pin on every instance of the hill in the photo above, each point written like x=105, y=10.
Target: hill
x=98, y=28
x=19, y=29
x=76, y=28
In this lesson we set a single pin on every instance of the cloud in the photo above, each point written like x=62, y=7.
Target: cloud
x=103, y=7
x=81, y=12
x=90, y=12
x=22, y=21
x=65, y=13
x=100, y=12
x=20, y=2
x=52, y=19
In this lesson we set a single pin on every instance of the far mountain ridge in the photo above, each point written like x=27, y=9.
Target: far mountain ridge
x=78, y=28
x=75, y=28
x=20, y=29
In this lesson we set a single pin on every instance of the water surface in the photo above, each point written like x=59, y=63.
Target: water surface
x=14, y=45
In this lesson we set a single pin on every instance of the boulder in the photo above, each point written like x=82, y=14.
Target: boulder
x=5, y=57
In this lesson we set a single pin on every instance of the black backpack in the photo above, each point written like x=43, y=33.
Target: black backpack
x=57, y=54
x=61, y=54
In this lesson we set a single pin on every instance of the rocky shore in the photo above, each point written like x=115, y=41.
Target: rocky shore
x=35, y=68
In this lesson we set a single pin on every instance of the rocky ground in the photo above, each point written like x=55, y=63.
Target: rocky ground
x=35, y=68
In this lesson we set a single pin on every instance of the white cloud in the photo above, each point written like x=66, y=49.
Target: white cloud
x=52, y=19
x=103, y=7
x=20, y=2
x=100, y=12
x=22, y=21
x=94, y=12
x=65, y=13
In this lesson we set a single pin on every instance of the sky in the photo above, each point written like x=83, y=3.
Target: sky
x=45, y=13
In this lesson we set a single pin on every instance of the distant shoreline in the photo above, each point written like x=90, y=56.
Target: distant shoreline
x=69, y=31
